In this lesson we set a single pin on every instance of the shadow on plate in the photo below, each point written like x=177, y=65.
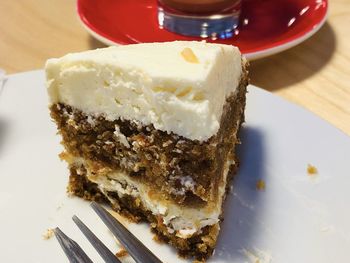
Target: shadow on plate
x=245, y=204
x=296, y=64
x=3, y=132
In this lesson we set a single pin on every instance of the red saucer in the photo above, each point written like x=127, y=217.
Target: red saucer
x=266, y=27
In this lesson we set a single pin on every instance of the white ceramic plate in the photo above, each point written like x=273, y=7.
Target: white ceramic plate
x=298, y=218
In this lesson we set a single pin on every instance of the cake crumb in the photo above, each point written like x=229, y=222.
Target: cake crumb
x=189, y=56
x=121, y=253
x=65, y=156
x=260, y=185
x=121, y=137
x=124, y=219
x=157, y=239
x=48, y=234
x=311, y=170
x=257, y=256
x=327, y=229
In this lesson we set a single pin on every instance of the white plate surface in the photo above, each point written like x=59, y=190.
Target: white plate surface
x=298, y=218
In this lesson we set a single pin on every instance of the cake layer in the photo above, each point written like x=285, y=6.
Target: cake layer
x=193, y=231
x=184, y=221
x=179, y=87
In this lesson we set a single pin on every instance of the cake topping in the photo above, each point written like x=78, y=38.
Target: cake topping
x=189, y=56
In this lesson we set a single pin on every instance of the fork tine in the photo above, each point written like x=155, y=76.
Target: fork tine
x=71, y=248
x=104, y=252
x=136, y=249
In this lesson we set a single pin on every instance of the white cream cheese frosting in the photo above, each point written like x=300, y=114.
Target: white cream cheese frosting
x=178, y=87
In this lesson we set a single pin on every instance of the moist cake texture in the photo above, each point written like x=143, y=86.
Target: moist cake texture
x=151, y=129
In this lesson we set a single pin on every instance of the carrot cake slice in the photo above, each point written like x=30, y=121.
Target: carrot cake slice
x=152, y=129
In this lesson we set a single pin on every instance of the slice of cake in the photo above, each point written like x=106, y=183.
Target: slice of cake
x=152, y=129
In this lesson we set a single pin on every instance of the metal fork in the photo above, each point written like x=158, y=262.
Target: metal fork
x=76, y=254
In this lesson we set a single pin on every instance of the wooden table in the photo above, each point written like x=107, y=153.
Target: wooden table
x=315, y=74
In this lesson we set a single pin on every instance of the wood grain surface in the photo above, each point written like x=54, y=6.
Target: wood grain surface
x=315, y=74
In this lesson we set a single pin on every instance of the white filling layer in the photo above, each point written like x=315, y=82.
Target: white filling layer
x=153, y=83
x=185, y=221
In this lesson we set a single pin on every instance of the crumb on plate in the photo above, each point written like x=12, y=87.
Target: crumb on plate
x=260, y=185
x=48, y=234
x=311, y=170
x=121, y=253
x=257, y=256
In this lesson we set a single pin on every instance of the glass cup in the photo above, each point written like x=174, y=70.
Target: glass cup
x=200, y=18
